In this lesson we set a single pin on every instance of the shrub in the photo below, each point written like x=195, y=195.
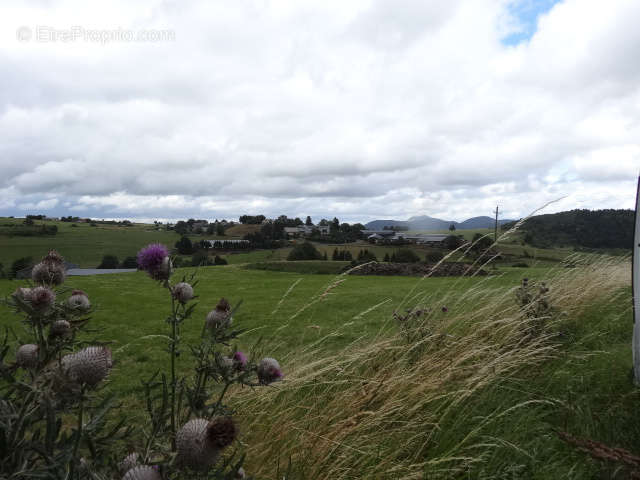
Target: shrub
x=386, y=257
x=20, y=264
x=434, y=256
x=406, y=255
x=200, y=259
x=217, y=260
x=304, y=251
x=184, y=246
x=129, y=262
x=109, y=261
x=453, y=241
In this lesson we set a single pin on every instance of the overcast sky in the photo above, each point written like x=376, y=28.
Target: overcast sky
x=356, y=109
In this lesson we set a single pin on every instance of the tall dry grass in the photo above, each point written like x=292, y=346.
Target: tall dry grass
x=426, y=401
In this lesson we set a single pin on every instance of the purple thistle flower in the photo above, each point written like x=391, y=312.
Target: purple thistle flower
x=239, y=360
x=154, y=259
x=445, y=309
x=269, y=371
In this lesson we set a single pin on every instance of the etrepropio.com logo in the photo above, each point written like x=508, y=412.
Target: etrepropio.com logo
x=78, y=34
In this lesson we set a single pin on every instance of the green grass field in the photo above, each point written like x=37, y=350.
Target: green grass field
x=471, y=398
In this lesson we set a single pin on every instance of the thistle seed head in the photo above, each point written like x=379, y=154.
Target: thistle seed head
x=27, y=355
x=218, y=319
x=269, y=371
x=48, y=273
x=89, y=366
x=183, y=292
x=130, y=461
x=195, y=449
x=42, y=298
x=142, y=472
x=240, y=474
x=60, y=328
x=79, y=301
x=222, y=431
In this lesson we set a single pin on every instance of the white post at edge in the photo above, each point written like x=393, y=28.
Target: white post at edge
x=635, y=286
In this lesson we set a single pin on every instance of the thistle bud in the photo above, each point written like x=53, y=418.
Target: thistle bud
x=23, y=294
x=53, y=257
x=60, y=328
x=183, y=292
x=142, y=472
x=89, y=365
x=195, y=449
x=42, y=298
x=27, y=355
x=269, y=371
x=79, y=301
x=48, y=273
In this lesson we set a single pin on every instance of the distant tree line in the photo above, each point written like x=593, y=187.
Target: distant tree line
x=28, y=229
x=582, y=228
x=252, y=219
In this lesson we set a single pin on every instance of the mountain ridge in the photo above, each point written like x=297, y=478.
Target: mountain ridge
x=425, y=222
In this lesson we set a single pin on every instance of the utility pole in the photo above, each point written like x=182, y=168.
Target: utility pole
x=635, y=288
x=495, y=230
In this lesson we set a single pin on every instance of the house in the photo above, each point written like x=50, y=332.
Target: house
x=306, y=230
x=432, y=240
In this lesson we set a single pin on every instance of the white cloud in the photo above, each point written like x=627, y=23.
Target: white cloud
x=362, y=109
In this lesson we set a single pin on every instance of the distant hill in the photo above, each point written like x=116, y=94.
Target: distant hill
x=424, y=222
x=581, y=228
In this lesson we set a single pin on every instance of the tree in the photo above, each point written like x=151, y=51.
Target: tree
x=335, y=225
x=452, y=242
x=386, y=257
x=308, y=221
x=452, y=228
x=20, y=264
x=181, y=227
x=304, y=251
x=109, y=261
x=220, y=229
x=184, y=246
x=335, y=254
x=480, y=243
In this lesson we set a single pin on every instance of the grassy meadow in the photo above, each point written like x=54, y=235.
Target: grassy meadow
x=478, y=391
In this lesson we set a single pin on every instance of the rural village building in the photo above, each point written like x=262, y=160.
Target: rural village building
x=306, y=230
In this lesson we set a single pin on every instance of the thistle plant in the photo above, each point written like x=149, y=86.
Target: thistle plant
x=54, y=376
x=191, y=426
x=54, y=422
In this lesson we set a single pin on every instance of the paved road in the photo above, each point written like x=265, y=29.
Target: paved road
x=98, y=271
